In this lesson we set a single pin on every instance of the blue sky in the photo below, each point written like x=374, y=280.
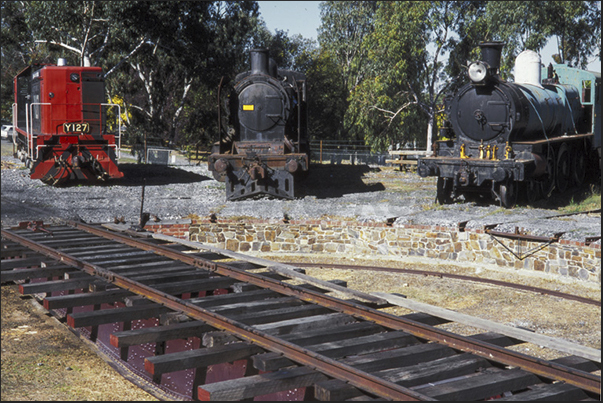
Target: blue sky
x=303, y=17
x=296, y=17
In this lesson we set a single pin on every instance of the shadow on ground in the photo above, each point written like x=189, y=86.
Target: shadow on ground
x=326, y=181
x=152, y=175
x=573, y=196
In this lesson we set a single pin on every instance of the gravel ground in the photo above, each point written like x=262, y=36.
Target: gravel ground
x=34, y=367
x=341, y=192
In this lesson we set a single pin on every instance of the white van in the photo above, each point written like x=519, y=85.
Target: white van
x=7, y=132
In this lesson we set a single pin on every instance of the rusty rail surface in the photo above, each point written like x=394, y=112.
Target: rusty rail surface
x=318, y=362
x=498, y=283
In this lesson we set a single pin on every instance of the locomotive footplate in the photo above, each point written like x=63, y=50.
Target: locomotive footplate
x=474, y=172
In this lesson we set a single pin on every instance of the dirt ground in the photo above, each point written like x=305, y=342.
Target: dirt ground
x=43, y=360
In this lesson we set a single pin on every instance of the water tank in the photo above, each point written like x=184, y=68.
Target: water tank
x=528, y=68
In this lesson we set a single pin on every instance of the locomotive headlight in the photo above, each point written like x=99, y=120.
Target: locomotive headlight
x=478, y=71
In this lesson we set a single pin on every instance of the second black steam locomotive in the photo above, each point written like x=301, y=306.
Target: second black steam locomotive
x=266, y=146
x=531, y=134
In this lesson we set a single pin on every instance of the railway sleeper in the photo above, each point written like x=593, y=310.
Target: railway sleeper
x=548, y=391
x=59, y=285
x=482, y=385
x=13, y=250
x=31, y=260
x=415, y=354
x=34, y=273
x=336, y=390
x=259, y=385
x=431, y=369
x=198, y=358
x=339, y=348
x=86, y=299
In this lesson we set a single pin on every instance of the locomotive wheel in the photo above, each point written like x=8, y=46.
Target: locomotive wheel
x=507, y=192
x=563, y=173
x=549, y=182
x=532, y=191
x=578, y=165
x=444, y=191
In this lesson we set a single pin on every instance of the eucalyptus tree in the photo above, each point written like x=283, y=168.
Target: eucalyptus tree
x=185, y=48
x=14, y=50
x=344, y=26
x=79, y=29
x=399, y=99
x=155, y=54
x=574, y=25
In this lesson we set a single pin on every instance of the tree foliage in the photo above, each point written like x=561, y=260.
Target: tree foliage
x=344, y=26
x=574, y=25
x=377, y=73
x=398, y=71
x=163, y=58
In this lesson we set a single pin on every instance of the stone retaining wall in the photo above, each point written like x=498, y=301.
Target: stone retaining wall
x=564, y=258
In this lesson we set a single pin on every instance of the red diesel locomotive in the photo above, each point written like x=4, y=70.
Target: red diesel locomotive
x=60, y=122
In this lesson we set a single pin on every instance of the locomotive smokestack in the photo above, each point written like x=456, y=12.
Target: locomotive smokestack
x=491, y=52
x=260, y=61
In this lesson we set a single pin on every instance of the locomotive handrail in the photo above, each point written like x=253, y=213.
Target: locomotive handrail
x=118, y=145
x=29, y=128
x=15, y=120
x=32, y=136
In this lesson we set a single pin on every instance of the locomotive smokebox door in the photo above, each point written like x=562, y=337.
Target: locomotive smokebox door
x=480, y=113
x=261, y=109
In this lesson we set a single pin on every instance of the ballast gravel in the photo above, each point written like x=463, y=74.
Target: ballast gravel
x=342, y=192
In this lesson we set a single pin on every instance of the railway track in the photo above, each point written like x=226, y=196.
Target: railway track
x=201, y=324
x=497, y=283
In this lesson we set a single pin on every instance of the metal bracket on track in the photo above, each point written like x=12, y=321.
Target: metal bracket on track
x=35, y=226
x=520, y=237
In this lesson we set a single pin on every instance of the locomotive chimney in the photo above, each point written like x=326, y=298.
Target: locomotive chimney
x=259, y=61
x=491, y=52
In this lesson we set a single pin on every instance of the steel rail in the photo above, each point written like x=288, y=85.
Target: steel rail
x=546, y=369
x=457, y=277
x=320, y=363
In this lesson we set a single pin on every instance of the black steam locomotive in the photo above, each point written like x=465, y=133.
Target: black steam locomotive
x=266, y=145
x=529, y=135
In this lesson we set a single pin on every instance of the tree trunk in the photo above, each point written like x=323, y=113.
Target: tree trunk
x=430, y=133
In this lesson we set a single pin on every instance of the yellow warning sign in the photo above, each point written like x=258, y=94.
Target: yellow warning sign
x=247, y=107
